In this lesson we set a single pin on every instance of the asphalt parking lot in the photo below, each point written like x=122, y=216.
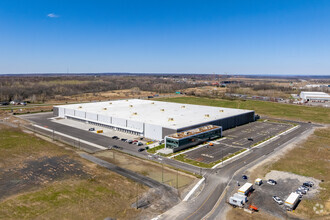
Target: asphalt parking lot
x=236, y=139
x=43, y=120
x=262, y=196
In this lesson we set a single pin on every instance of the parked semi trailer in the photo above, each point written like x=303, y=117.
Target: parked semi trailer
x=292, y=201
x=245, y=189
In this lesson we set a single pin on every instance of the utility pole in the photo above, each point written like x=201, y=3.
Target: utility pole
x=162, y=173
x=177, y=179
x=137, y=195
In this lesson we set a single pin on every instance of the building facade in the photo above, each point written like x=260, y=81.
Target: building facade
x=190, y=138
x=153, y=119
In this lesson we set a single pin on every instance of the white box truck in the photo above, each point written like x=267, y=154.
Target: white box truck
x=236, y=201
x=245, y=189
x=258, y=181
x=291, y=202
x=240, y=196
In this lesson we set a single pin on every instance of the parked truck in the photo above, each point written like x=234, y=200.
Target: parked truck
x=245, y=189
x=237, y=200
x=292, y=201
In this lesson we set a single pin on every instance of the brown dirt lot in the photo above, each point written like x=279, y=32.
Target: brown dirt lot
x=40, y=180
x=239, y=214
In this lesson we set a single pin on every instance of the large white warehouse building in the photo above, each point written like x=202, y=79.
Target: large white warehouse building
x=153, y=119
x=314, y=96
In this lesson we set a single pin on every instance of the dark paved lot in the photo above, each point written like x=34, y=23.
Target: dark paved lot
x=262, y=196
x=43, y=120
x=237, y=139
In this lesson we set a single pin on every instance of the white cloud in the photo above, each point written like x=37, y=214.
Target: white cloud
x=52, y=15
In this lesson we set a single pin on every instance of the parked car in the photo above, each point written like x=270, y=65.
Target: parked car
x=299, y=193
x=139, y=144
x=123, y=139
x=304, y=187
x=308, y=184
x=250, y=139
x=277, y=200
x=302, y=190
x=91, y=129
x=129, y=141
x=271, y=182
x=135, y=141
x=141, y=149
x=244, y=177
x=115, y=137
x=117, y=147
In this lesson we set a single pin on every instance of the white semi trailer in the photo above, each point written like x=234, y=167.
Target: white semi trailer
x=245, y=189
x=292, y=201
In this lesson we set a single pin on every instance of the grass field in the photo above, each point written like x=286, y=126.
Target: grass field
x=41, y=180
x=148, y=168
x=311, y=159
x=285, y=111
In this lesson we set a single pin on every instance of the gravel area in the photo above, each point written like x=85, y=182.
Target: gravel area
x=289, y=178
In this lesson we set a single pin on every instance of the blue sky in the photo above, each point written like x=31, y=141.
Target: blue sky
x=234, y=37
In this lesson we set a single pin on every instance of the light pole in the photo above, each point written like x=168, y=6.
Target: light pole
x=162, y=173
x=137, y=195
x=177, y=180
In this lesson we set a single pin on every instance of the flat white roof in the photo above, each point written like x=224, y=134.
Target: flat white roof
x=245, y=187
x=314, y=94
x=292, y=198
x=165, y=114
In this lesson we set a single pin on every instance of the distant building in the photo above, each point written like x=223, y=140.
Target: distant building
x=314, y=96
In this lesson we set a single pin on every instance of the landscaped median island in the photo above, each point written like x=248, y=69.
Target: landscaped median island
x=155, y=149
x=182, y=158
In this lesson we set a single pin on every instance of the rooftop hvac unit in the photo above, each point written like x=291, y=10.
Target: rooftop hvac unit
x=131, y=106
x=80, y=107
x=152, y=103
x=104, y=108
x=207, y=115
x=221, y=110
x=170, y=119
x=134, y=113
x=162, y=110
x=110, y=103
x=183, y=106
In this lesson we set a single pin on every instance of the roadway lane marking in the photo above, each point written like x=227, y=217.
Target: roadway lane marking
x=193, y=189
x=241, y=164
x=208, y=197
x=74, y=138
